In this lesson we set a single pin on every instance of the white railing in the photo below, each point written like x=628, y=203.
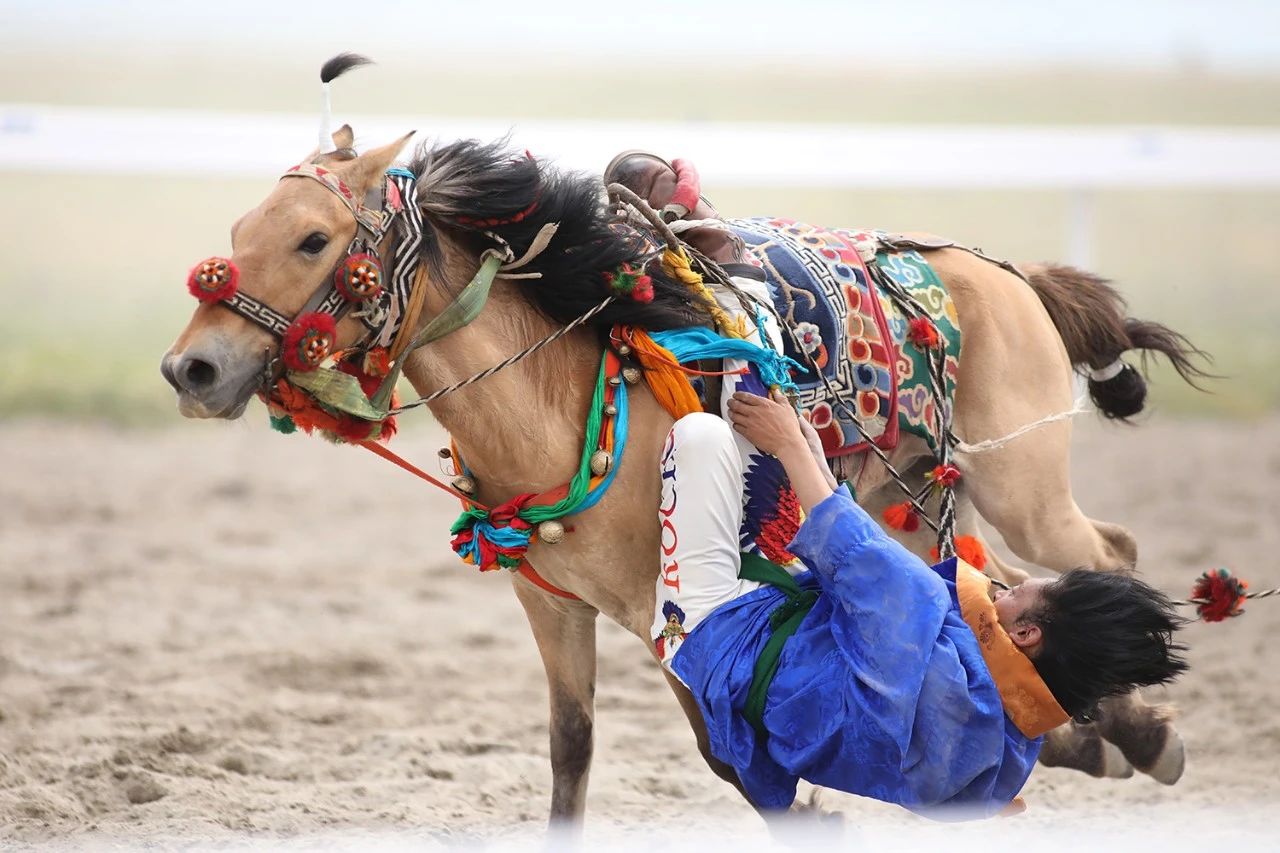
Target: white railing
x=1074, y=158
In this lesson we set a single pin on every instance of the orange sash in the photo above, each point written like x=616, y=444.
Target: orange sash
x=1026, y=699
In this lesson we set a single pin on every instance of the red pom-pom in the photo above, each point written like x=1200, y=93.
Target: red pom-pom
x=1220, y=595
x=631, y=281
x=359, y=277
x=308, y=341
x=944, y=475
x=902, y=517
x=922, y=333
x=213, y=280
x=969, y=549
x=643, y=291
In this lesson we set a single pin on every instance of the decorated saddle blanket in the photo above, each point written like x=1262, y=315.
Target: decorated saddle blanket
x=852, y=334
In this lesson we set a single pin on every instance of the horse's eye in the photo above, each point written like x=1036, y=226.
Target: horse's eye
x=314, y=244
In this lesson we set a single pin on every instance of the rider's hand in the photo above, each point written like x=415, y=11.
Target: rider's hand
x=770, y=424
x=774, y=427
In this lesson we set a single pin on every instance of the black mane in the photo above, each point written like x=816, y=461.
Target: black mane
x=467, y=188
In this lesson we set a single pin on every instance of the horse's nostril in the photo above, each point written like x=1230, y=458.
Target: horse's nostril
x=166, y=370
x=197, y=374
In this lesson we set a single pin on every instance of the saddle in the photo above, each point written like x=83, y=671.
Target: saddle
x=831, y=287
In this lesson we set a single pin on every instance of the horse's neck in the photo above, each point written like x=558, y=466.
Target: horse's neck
x=521, y=429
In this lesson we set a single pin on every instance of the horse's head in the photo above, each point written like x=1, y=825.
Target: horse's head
x=461, y=211
x=284, y=253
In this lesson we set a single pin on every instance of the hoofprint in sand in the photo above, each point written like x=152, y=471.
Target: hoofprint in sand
x=219, y=632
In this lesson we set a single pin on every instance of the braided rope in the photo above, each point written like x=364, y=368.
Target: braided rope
x=502, y=365
x=837, y=401
x=1079, y=408
x=1190, y=602
x=937, y=359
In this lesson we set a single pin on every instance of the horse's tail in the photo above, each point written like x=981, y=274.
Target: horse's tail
x=1090, y=316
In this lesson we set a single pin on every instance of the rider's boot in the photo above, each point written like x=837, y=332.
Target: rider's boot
x=657, y=182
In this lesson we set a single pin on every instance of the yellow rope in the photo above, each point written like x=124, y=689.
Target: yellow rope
x=677, y=264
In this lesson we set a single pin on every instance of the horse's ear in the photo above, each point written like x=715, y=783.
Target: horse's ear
x=366, y=170
x=344, y=139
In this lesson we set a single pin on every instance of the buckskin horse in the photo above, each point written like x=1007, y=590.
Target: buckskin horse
x=476, y=202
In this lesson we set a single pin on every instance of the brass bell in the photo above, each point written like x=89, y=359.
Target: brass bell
x=601, y=462
x=631, y=374
x=614, y=381
x=465, y=484
x=624, y=350
x=551, y=532
x=610, y=409
x=444, y=453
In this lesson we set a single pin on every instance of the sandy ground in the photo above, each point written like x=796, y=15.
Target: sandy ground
x=218, y=635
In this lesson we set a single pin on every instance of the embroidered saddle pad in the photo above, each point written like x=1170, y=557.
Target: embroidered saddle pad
x=852, y=331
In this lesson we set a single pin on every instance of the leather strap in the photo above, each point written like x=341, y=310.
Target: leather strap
x=901, y=242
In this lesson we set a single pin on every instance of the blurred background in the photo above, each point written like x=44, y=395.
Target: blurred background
x=133, y=133
x=210, y=631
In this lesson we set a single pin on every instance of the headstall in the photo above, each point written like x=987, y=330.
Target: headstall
x=360, y=280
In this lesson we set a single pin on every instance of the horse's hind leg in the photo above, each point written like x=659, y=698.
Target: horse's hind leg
x=1014, y=370
x=565, y=632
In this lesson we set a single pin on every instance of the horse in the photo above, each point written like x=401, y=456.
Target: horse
x=520, y=429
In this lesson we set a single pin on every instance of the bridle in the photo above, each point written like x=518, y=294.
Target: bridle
x=361, y=281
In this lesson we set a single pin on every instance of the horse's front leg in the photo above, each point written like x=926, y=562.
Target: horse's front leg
x=690, y=707
x=565, y=632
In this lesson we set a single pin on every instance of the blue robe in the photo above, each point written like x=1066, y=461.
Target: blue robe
x=882, y=692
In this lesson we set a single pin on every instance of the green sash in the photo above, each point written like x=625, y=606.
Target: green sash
x=785, y=620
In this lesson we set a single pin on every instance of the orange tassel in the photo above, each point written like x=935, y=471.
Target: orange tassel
x=969, y=549
x=902, y=517
x=669, y=384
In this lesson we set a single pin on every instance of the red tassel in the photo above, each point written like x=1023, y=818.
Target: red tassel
x=308, y=341
x=213, y=280
x=1223, y=594
x=969, y=549
x=922, y=333
x=902, y=516
x=944, y=476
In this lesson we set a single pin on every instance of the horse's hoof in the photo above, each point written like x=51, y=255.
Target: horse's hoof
x=1170, y=761
x=1114, y=764
x=1155, y=750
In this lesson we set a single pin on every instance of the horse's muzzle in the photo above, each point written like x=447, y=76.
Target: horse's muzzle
x=208, y=384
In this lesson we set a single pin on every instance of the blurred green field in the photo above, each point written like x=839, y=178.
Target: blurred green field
x=91, y=292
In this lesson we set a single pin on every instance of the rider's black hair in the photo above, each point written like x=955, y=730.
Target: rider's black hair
x=1103, y=634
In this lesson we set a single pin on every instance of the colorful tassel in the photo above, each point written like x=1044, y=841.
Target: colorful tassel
x=283, y=424
x=1219, y=595
x=308, y=341
x=213, y=280
x=493, y=539
x=359, y=277
x=631, y=281
x=922, y=333
x=903, y=517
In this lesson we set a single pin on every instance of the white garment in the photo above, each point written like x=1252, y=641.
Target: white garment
x=699, y=514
